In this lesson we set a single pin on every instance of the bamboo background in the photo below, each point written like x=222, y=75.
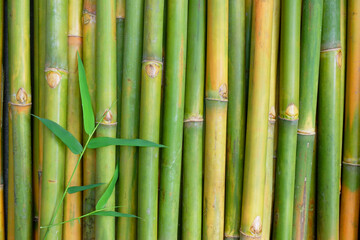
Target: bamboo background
x=256, y=101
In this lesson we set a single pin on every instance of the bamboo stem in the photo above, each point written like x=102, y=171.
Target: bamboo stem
x=2, y=210
x=11, y=202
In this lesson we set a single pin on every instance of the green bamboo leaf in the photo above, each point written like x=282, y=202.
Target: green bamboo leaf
x=88, y=114
x=113, y=214
x=76, y=189
x=66, y=137
x=106, y=195
x=107, y=141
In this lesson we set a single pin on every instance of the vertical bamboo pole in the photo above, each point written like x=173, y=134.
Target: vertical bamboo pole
x=2, y=210
x=328, y=145
x=248, y=20
x=170, y=169
x=270, y=150
x=129, y=124
x=11, y=202
x=72, y=203
x=350, y=187
x=194, y=122
x=20, y=100
x=312, y=13
x=56, y=76
x=236, y=119
x=257, y=120
x=216, y=99
x=151, y=77
x=343, y=33
x=105, y=97
x=288, y=118
x=89, y=26
x=311, y=221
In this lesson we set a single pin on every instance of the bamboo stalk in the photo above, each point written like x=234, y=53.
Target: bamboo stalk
x=288, y=118
x=311, y=221
x=151, y=77
x=105, y=97
x=56, y=76
x=329, y=124
x=73, y=202
x=350, y=185
x=11, y=202
x=257, y=120
x=2, y=210
x=194, y=122
x=20, y=100
x=170, y=169
x=248, y=24
x=216, y=99
x=236, y=119
x=343, y=33
x=89, y=27
x=312, y=13
x=270, y=146
x=129, y=124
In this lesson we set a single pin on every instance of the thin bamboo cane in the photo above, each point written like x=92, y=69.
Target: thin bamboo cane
x=174, y=98
x=311, y=221
x=56, y=76
x=89, y=26
x=105, y=97
x=73, y=202
x=350, y=187
x=257, y=120
x=2, y=210
x=129, y=124
x=216, y=99
x=150, y=118
x=329, y=124
x=312, y=13
x=11, y=202
x=20, y=100
x=343, y=33
x=194, y=122
x=236, y=119
x=248, y=20
x=270, y=146
x=288, y=118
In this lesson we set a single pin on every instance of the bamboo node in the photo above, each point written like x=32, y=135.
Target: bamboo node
x=247, y=236
x=88, y=17
x=223, y=91
x=108, y=116
x=53, y=78
x=256, y=226
x=306, y=132
x=21, y=95
x=339, y=58
x=272, y=114
x=152, y=69
x=292, y=112
x=194, y=119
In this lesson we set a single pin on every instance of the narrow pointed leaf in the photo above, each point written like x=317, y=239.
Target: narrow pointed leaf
x=107, y=141
x=106, y=195
x=88, y=114
x=66, y=137
x=113, y=214
x=76, y=189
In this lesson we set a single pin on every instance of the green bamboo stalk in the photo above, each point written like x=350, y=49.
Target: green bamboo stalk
x=311, y=221
x=312, y=13
x=343, y=18
x=56, y=75
x=2, y=210
x=248, y=24
x=129, y=124
x=20, y=100
x=288, y=118
x=174, y=98
x=350, y=181
x=89, y=26
x=216, y=99
x=257, y=120
x=193, y=123
x=11, y=210
x=105, y=97
x=73, y=202
x=270, y=146
x=329, y=124
x=236, y=119
x=151, y=77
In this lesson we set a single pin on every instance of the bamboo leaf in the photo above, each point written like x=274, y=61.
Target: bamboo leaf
x=66, y=137
x=106, y=195
x=76, y=189
x=107, y=141
x=113, y=214
x=88, y=114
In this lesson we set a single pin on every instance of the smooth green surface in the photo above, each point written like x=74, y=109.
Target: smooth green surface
x=236, y=118
x=193, y=123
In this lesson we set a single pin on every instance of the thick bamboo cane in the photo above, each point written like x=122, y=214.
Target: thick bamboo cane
x=56, y=77
x=105, y=97
x=20, y=100
x=312, y=13
x=350, y=184
x=216, y=99
x=73, y=202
